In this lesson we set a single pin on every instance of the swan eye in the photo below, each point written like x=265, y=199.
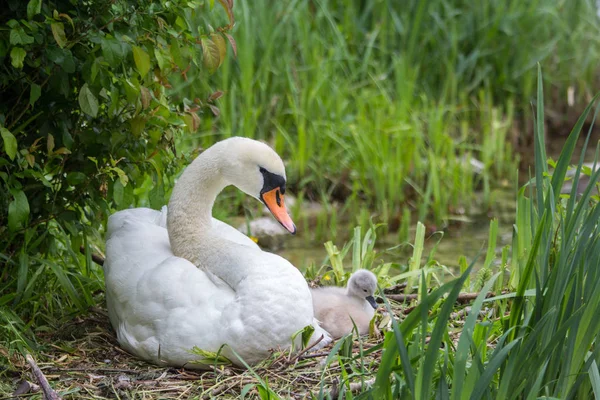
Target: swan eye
x=262, y=170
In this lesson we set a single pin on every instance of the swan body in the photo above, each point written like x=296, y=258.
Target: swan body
x=178, y=279
x=339, y=309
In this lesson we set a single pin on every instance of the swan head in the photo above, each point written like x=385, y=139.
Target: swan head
x=363, y=284
x=257, y=170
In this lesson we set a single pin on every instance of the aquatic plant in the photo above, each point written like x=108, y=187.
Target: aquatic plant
x=545, y=344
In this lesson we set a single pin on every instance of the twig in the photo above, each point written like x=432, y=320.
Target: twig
x=402, y=297
x=97, y=258
x=395, y=288
x=407, y=310
x=462, y=297
x=25, y=389
x=468, y=297
x=104, y=370
x=306, y=350
x=314, y=355
x=112, y=21
x=49, y=393
x=354, y=387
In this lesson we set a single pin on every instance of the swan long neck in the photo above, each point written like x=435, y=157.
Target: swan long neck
x=189, y=216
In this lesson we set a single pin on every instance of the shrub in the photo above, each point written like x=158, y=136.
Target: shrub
x=93, y=94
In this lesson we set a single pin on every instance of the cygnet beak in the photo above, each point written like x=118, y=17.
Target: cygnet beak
x=372, y=301
x=273, y=199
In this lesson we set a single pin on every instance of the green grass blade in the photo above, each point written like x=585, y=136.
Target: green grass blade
x=382, y=385
x=428, y=367
x=515, y=313
x=490, y=370
x=356, y=253
x=539, y=148
x=558, y=176
x=415, y=261
x=595, y=379
x=462, y=351
x=65, y=283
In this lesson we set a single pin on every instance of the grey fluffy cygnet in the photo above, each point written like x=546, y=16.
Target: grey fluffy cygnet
x=337, y=307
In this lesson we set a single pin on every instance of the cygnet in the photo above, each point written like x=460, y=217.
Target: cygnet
x=337, y=307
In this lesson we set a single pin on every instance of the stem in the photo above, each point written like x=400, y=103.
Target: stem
x=49, y=393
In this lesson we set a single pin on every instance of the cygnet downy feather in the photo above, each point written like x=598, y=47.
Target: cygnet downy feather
x=336, y=308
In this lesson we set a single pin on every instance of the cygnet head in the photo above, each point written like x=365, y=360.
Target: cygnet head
x=257, y=170
x=363, y=284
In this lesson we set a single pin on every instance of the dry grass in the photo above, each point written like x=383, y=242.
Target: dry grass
x=82, y=360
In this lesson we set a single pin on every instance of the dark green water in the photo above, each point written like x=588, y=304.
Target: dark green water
x=466, y=238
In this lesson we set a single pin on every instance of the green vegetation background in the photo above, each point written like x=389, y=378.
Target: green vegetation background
x=381, y=104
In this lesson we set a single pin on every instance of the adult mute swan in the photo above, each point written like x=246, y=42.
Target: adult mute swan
x=339, y=309
x=179, y=279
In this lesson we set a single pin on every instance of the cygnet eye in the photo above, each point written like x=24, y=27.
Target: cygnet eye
x=365, y=290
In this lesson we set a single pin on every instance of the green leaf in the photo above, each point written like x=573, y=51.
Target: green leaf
x=65, y=283
x=75, y=178
x=58, y=31
x=34, y=93
x=18, y=36
x=142, y=60
x=87, y=101
x=221, y=46
x=595, y=378
x=307, y=333
x=62, y=57
x=118, y=193
x=17, y=55
x=10, y=143
x=157, y=196
x=132, y=90
x=93, y=72
x=34, y=7
x=209, y=357
x=161, y=58
x=113, y=51
x=137, y=125
x=50, y=143
x=176, y=53
x=23, y=271
x=30, y=159
x=210, y=54
x=18, y=211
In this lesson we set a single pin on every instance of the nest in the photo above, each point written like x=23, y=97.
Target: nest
x=82, y=360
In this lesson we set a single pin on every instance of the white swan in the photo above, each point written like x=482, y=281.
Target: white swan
x=200, y=282
x=339, y=309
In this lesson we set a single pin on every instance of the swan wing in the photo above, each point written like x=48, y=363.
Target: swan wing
x=160, y=305
x=228, y=232
x=159, y=218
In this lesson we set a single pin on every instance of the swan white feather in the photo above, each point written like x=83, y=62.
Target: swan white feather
x=200, y=282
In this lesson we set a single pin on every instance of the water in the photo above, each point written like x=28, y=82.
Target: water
x=467, y=238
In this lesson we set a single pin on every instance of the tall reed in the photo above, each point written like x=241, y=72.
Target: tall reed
x=547, y=344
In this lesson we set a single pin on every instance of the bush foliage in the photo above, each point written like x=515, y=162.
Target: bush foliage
x=93, y=95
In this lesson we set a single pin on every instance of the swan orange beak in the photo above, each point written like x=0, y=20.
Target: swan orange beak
x=273, y=199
